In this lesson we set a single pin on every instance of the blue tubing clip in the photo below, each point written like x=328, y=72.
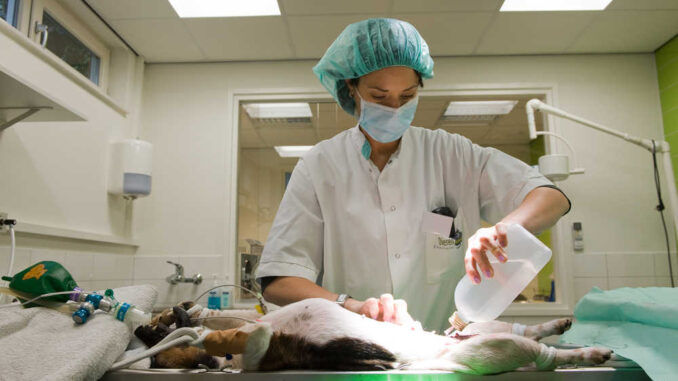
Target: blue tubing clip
x=80, y=316
x=120, y=315
x=94, y=299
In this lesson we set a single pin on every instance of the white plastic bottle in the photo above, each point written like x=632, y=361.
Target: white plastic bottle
x=487, y=300
x=225, y=299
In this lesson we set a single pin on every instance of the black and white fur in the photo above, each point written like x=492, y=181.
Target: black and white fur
x=319, y=334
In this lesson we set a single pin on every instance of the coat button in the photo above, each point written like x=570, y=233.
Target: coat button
x=393, y=208
x=397, y=255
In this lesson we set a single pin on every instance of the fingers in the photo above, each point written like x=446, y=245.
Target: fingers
x=387, y=309
x=487, y=240
x=403, y=317
x=370, y=308
x=501, y=232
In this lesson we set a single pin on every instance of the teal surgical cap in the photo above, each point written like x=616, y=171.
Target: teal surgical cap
x=367, y=46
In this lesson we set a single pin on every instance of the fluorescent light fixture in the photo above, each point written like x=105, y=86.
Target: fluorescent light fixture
x=225, y=8
x=467, y=108
x=553, y=5
x=278, y=110
x=292, y=151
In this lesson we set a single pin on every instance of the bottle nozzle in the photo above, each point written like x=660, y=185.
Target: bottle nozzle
x=457, y=322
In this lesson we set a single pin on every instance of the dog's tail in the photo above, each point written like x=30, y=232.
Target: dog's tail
x=346, y=353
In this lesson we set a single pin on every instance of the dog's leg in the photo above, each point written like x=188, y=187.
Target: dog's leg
x=494, y=326
x=534, y=332
x=553, y=327
x=582, y=356
x=501, y=352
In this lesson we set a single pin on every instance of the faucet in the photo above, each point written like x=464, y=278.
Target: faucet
x=178, y=276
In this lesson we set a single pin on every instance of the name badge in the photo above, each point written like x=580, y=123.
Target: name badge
x=436, y=223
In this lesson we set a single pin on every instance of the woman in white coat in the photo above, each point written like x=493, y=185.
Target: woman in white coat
x=350, y=222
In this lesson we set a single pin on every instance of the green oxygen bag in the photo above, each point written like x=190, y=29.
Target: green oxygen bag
x=42, y=278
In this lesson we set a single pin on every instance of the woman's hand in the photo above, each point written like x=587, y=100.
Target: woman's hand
x=384, y=309
x=490, y=240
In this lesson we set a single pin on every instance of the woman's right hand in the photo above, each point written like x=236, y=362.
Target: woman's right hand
x=384, y=309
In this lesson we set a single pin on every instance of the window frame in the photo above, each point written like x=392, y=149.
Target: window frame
x=565, y=301
x=78, y=30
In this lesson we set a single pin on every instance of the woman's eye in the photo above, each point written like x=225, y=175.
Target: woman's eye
x=379, y=97
x=407, y=96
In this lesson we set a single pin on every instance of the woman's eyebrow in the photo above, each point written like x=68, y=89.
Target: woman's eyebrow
x=384, y=90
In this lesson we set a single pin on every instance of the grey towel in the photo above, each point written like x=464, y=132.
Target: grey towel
x=44, y=344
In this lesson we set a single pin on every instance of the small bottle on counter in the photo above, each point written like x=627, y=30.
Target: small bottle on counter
x=225, y=299
x=213, y=299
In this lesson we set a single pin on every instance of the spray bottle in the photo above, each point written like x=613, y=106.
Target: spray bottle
x=487, y=300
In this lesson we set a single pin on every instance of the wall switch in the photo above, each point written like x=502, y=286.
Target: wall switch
x=577, y=237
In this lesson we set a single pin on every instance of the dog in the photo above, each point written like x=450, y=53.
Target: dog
x=321, y=335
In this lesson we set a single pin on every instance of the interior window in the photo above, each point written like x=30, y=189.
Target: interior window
x=268, y=137
x=9, y=10
x=67, y=47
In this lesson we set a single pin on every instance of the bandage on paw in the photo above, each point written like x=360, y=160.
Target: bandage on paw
x=518, y=329
x=546, y=357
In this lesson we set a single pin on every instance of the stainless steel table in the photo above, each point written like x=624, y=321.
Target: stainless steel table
x=578, y=374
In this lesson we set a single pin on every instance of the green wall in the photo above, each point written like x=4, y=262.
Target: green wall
x=666, y=59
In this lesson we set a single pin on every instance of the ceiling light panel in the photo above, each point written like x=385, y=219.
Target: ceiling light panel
x=292, y=151
x=477, y=108
x=553, y=5
x=278, y=110
x=227, y=8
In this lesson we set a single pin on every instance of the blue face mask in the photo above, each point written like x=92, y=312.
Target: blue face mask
x=386, y=124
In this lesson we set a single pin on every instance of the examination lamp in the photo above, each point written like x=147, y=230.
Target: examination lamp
x=556, y=167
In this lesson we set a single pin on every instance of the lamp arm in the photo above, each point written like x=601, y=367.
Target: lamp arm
x=536, y=104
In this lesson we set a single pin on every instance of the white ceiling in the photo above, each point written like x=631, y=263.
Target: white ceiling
x=451, y=27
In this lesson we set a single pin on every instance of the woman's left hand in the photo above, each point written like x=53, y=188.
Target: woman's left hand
x=490, y=240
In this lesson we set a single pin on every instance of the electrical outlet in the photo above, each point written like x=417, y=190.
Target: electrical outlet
x=3, y=228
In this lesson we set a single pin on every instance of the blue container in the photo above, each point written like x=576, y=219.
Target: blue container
x=213, y=300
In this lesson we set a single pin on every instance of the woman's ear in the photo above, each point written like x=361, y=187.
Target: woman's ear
x=350, y=87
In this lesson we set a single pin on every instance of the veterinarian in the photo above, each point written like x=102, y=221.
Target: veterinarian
x=350, y=222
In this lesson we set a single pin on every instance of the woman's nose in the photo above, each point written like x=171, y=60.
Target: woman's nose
x=392, y=102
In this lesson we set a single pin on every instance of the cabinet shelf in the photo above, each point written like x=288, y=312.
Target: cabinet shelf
x=19, y=102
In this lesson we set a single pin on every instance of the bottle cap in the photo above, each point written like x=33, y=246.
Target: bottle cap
x=456, y=322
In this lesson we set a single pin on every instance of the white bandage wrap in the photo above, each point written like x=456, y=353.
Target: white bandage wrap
x=546, y=357
x=518, y=329
x=257, y=345
x=194, y=309
x=204, y=313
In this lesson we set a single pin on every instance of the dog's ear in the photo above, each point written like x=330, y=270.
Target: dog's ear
x=181, y=316
x=187, y=305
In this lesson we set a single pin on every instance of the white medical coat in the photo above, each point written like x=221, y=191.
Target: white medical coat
x=353, y=229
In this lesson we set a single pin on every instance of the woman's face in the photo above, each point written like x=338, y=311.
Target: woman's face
x=392, y=86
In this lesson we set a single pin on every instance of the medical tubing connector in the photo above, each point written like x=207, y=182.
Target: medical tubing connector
x=90, y=302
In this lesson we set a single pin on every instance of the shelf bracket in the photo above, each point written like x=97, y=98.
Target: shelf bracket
x=29, y=111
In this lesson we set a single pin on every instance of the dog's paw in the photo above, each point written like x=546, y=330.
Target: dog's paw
x=594, y=355
x=563, y=325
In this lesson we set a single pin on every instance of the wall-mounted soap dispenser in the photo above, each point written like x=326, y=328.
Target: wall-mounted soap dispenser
x=130, y=168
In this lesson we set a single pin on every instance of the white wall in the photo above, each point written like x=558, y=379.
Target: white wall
x=187, y=115
x=54, y=173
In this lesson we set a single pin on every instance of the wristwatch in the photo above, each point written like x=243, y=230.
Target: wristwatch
x=341, y=299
